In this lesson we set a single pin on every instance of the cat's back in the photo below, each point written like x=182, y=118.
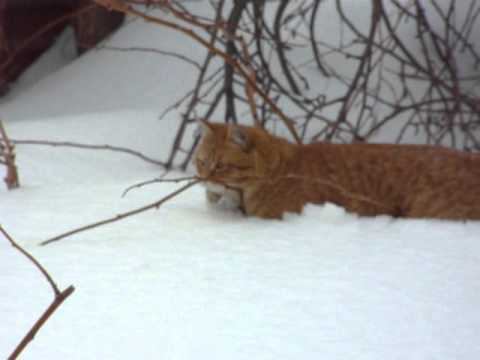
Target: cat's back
x=403, y=155
x=397, y=166
x=409, y=180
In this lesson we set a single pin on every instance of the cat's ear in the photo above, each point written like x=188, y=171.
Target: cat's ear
x=240, y=137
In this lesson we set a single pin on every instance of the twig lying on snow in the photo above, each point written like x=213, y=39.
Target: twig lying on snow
x=59, y=298
x=159, y=179
x=143, y=183
x=121, y=216
x=89, y=147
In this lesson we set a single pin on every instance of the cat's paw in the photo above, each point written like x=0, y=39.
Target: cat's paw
x=229, y=202
x=213, y=197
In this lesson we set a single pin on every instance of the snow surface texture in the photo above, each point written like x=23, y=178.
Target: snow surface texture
x=193, y=282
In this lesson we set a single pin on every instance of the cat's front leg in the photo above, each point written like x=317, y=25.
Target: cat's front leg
x=224, y=197
x=231, y=199
x=214, y=192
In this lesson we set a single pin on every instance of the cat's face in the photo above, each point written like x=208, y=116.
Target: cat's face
x=227, y=154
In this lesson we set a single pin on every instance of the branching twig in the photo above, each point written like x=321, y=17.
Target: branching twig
x=159, y=179
x=429, y=92
x=59, y=298
x=154, y=205
x=90, y=147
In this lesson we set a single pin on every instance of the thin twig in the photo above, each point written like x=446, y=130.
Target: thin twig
x=90, y=147
x=59, y=298
x=47, y=276
x=159, y=179
x=143, y=183
x=122, y=216
x=54, y=305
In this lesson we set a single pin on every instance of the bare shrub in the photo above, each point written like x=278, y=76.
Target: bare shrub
x=58, y=299
x=408, y=69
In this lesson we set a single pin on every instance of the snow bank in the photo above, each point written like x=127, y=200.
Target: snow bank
x=191, y=282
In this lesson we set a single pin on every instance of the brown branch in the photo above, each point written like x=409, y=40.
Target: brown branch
x=195, y=94
x=207, y=115
x=231, y=51
x=366, y=56
x=47, y=276
x=54, y=305
x=59, y=298
x=159, y=179
x=90, y=147
x=249, y=91
x=279, y=44
x=154, y=205
x=313, y=41
x=383, y=88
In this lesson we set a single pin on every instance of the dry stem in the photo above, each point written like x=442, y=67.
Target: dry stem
x=159, y=179
x=154, y=205
x=59, y=298
x=90, y=147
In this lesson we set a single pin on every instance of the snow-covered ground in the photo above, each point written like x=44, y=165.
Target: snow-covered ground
x=191, y=282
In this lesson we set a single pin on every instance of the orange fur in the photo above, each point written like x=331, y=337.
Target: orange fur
x=267, y=176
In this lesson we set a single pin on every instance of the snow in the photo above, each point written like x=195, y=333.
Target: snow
x=188, y=281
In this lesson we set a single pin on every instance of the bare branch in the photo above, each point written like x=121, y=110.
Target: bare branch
x=59, y=298
x=90, y=147
x=159, y=179
x=154, y=205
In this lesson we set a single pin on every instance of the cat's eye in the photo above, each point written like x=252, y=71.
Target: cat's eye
x=201, y=162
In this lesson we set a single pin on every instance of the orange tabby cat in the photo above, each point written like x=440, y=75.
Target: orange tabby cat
x=266, y=176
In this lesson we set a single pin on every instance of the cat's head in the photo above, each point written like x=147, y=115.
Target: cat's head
x=234, y=155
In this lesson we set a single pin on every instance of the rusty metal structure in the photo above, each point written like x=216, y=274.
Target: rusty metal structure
x=29, y=27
